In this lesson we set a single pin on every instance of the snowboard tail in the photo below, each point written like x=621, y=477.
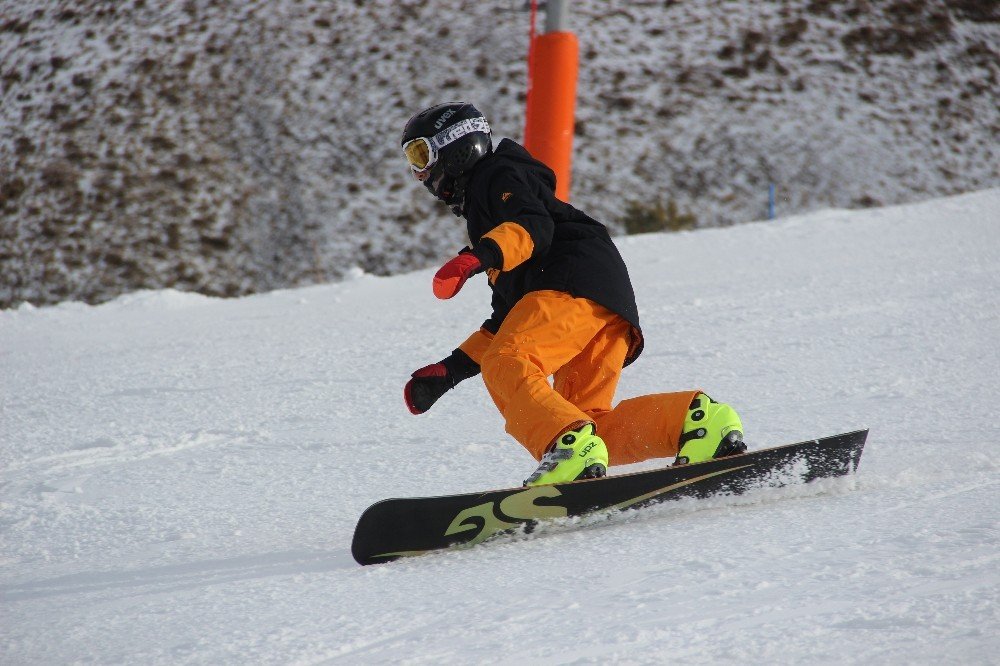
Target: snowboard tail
x=401, y=527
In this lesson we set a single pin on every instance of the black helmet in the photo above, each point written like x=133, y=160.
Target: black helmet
x=442, y=144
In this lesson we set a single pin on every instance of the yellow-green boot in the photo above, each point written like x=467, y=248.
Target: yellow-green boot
x=711, y=430
x=577, y=454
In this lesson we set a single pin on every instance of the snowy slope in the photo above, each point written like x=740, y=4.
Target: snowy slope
x=180, y=476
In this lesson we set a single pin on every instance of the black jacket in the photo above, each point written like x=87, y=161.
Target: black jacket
x=569, y=251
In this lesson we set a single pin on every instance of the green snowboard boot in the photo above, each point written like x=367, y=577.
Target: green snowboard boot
x=577, y=454
x=711, y=430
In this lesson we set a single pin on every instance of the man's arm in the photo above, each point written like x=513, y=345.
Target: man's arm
x=523, y=227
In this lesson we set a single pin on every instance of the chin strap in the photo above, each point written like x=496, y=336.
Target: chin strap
x=455, y=199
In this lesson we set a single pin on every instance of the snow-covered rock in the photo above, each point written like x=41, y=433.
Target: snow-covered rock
x=230, y=148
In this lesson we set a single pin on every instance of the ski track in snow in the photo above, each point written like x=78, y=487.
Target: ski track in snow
x=180, y=476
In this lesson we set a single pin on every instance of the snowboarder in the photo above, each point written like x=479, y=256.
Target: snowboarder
x=563, y=307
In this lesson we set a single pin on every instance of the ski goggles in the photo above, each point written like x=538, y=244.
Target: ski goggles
x=422, y=152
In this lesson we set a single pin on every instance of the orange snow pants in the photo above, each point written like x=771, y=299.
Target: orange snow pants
x=582, y=346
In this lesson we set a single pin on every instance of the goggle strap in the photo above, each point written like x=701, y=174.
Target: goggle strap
x=458, y=130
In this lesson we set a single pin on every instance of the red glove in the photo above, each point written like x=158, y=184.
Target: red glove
x=426, y=386
x=450, y=277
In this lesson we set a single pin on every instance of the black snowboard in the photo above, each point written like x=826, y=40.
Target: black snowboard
x=395, y=528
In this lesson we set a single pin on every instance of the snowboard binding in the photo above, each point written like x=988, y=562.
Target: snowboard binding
x=576, y=454
x=711, y=430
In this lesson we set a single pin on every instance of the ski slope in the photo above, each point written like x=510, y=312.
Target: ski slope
x=180, y=476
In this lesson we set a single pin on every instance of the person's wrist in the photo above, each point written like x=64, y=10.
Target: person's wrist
x=488, y=253
x=460, y=366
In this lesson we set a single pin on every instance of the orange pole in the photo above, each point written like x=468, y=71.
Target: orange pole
x=549, y=117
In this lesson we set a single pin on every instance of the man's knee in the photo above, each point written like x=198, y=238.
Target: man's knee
x=489, y=364
x=495, y=364
x=504, y=365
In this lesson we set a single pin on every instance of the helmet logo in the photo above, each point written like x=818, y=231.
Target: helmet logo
x=505, y=196
x=444, y=116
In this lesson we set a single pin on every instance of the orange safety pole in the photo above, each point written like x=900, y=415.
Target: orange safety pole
x=549, y=117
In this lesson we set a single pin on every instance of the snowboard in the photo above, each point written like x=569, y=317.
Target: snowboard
x=401, y=527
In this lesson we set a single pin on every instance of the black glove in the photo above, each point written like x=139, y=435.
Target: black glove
x=432, y=381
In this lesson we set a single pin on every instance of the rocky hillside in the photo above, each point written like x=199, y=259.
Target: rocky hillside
x=228, y=148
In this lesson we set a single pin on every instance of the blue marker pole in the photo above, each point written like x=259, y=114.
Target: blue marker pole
x=770, y=201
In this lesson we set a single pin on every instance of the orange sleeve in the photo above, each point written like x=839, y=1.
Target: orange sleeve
x=515, y=244
x=477, y=344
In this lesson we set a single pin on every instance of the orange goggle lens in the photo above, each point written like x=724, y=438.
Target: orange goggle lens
x=418, y=154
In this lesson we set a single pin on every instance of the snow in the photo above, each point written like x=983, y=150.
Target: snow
x=180, y=475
